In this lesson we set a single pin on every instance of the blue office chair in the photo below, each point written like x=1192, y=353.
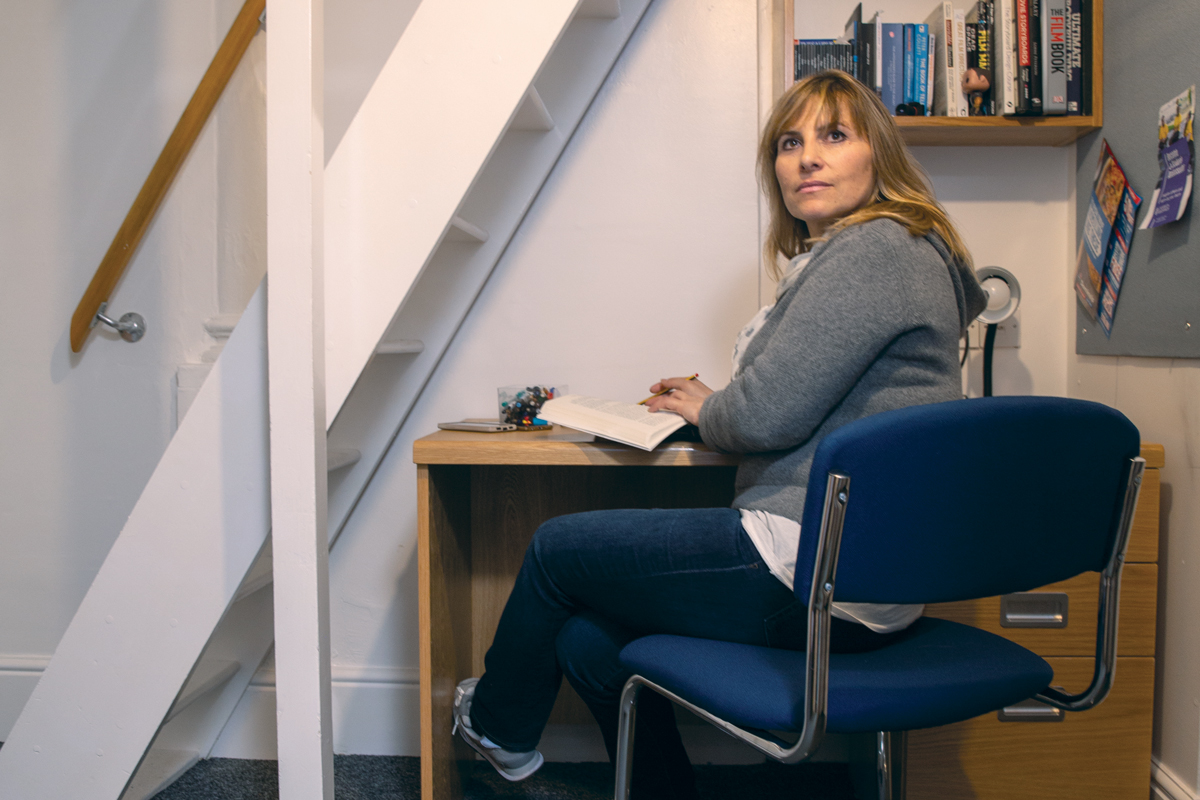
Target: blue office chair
x=928, y=504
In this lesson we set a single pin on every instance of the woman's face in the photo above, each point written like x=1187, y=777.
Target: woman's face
x=824, y=172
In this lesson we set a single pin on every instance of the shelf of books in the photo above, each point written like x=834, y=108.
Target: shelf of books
x=990, y=72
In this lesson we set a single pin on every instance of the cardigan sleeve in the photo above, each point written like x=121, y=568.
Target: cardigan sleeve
x=859, y=293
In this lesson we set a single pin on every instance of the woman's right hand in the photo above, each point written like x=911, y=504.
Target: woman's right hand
x=684, y=396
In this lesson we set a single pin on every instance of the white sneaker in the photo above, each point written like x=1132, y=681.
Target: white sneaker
x=512, y=766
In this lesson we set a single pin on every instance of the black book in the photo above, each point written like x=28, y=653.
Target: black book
x=1037, y=81
x=981, y=54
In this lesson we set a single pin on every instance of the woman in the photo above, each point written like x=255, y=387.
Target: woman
x=867, y=318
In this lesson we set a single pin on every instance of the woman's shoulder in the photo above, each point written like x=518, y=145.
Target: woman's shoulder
x=880, y=239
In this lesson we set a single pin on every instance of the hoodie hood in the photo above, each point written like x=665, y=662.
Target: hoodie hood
x=971, y=297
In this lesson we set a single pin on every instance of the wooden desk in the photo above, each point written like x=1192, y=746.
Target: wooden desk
x=480, y=497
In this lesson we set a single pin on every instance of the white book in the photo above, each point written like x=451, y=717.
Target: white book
x=878, y=20
x=960, y=62
x=1004, y=61
x=946, y=84
x=627, y=423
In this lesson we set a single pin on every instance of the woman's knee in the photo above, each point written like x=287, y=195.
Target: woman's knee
x=588, y=649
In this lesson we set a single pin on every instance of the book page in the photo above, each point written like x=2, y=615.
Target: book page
x=624, y=422
x=638, y=414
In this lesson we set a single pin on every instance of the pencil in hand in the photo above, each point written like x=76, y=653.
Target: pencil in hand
x=664, y=391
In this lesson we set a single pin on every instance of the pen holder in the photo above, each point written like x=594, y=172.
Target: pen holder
x=519, y=405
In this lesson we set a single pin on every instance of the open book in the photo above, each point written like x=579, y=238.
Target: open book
x=622, y=422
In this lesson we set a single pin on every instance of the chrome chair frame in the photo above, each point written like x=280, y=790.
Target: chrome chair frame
x=888, y=767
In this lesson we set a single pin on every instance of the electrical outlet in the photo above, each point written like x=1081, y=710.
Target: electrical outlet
x=1008, y=333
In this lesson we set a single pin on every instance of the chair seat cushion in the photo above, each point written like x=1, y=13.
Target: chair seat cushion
x=938, y=672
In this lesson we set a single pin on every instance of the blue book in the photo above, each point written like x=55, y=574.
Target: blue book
x=921, y=61
x=892, y=89
x=910, y=64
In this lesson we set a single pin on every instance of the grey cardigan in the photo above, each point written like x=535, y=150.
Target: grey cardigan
x=871, y=324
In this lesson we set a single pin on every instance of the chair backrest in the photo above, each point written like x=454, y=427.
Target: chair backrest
x=971, y=498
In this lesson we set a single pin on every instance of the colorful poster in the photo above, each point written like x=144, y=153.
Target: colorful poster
x=1176, y=161
x=1104, y=248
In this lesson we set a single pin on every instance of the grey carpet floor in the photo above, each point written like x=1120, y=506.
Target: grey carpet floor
x=398, y=778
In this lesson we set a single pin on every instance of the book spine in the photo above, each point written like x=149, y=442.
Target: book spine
x=1037, y=78
x=960, y=61
x=985, y=51
x=910, y=63
x=1024, y=104
x=971, y=42
x=1085, y=56
x=946, y=34
x=921, y=63
x=892, y=88
x=867, y=56
x=878, y=54
x=1004, y=92
x=1074, y=58
x=1054, y=56
x=941, y=60
x=933, y=42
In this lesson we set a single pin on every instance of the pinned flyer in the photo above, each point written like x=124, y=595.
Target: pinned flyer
x=1104, y=247
x=1176, y=160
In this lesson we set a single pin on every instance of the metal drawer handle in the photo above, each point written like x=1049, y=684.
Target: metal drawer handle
x=1031, y=710
x=1034, y=610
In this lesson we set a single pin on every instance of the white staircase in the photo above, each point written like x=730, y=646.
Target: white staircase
x=424, y=193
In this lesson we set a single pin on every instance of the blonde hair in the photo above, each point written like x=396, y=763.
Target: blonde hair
x=902, y=190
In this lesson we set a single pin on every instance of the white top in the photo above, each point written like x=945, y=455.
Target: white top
x=778, y=538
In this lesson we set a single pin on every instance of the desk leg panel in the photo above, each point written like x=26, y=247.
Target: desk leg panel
x=444, y=579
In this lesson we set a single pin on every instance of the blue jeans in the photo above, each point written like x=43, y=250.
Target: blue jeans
x=593, y=582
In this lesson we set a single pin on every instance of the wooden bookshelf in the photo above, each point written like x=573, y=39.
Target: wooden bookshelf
x=989, y=131
x=994, y=131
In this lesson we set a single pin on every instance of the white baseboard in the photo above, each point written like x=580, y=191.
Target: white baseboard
x=19, y=675
x=1166, y=785
x=376, y=711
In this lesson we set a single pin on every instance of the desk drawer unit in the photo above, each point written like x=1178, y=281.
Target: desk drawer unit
x=1098, y=754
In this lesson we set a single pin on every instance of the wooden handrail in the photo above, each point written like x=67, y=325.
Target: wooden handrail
x=173, y=154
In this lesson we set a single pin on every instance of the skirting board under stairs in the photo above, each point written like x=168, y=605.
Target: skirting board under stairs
x=1166, y=785
x=376, y=712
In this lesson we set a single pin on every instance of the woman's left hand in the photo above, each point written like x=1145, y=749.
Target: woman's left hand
x=684, y=397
